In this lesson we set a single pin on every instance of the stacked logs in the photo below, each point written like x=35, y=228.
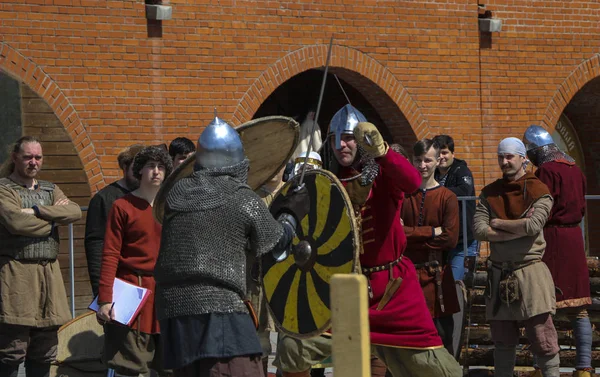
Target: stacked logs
x=479, y=331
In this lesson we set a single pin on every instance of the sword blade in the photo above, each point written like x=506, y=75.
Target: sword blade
x=312, y=132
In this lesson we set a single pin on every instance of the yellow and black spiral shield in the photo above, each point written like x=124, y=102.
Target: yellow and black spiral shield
x=298, y=296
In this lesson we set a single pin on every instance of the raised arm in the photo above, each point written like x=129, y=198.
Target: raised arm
x=397, y=174
x=62, y=211
x=18, y=222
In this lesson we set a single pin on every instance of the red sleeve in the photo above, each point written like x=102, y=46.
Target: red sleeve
x=450, y=225
x=397, y=174
x=111, y=253
x=547, y=177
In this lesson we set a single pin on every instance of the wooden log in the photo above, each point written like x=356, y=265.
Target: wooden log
x=485, y=356
x=481, y=335
x=351, y=350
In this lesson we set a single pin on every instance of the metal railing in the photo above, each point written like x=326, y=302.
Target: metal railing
x=462, y=199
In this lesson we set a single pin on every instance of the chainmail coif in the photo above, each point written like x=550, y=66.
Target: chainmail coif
x=212, y=219
x=548, y=153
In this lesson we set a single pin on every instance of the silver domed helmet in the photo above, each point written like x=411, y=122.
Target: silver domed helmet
x=219, y=146
x=535, y=137
x=344, y=122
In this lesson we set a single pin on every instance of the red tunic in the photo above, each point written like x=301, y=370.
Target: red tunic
x=131, y=245
x=423, y=211
x=405, y=320
x=565, y=252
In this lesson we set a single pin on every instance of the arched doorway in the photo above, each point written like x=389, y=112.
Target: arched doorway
x=577, y=129
x=24, y=112
x=300, y=93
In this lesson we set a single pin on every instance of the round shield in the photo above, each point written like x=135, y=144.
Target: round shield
x=268, y=142
x=297, y=289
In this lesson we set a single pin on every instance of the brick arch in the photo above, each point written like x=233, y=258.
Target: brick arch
x=343, y=59
x=24, y=69
x=584, y=73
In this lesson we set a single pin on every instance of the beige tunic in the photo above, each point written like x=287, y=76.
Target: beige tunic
x=32, y=294
x=535, y=281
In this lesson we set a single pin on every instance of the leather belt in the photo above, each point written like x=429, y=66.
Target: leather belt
x=369, y=270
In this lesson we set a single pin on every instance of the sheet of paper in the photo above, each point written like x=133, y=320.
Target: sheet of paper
x=128, y=298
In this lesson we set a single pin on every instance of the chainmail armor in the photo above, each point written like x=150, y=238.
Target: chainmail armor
x=30, y=248
x=548, y=153
x=364, y=162
x=212, y=220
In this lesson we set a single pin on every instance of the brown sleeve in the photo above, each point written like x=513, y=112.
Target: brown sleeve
x=60, y=214
x=450, y=225
x=17, y=222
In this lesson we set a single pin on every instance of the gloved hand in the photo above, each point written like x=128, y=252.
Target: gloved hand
x=296, y=203
x=367, y=135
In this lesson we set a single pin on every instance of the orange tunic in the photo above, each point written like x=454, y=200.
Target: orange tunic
x=131, y=245
x=423, y=211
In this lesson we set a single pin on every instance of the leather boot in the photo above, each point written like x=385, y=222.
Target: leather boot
x=582, y=373
x=306, y=373
x=36, y=369
x=9, y=370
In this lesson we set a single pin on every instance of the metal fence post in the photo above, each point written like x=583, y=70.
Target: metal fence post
x=72, y=269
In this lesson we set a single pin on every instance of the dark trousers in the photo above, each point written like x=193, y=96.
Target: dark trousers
x=240, y=366
x=18, y=343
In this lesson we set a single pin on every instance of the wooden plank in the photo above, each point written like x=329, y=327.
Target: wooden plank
x=75, y=189
x=40, y=120
x=79, y=258
x=63, y=176
x=27, y=92
x=47, y=134
x=350, y=325
x=35, y=105
x=81, y=274
x=63, y=162
x=59, y=148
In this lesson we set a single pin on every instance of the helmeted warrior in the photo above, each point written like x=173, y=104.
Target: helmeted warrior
x=402, y=331
x=565, y=252
x=212, y=220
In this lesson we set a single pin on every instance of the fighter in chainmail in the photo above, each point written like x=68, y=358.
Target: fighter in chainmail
x=402, y=331
x=565, y=251
x=212, y=220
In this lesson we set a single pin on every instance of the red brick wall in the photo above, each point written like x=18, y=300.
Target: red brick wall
x=422, y=65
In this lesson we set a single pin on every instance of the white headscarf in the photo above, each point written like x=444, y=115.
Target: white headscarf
x=512, y=145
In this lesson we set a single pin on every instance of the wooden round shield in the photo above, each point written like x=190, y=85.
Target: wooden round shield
x=268, y=142
x=298, y=294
